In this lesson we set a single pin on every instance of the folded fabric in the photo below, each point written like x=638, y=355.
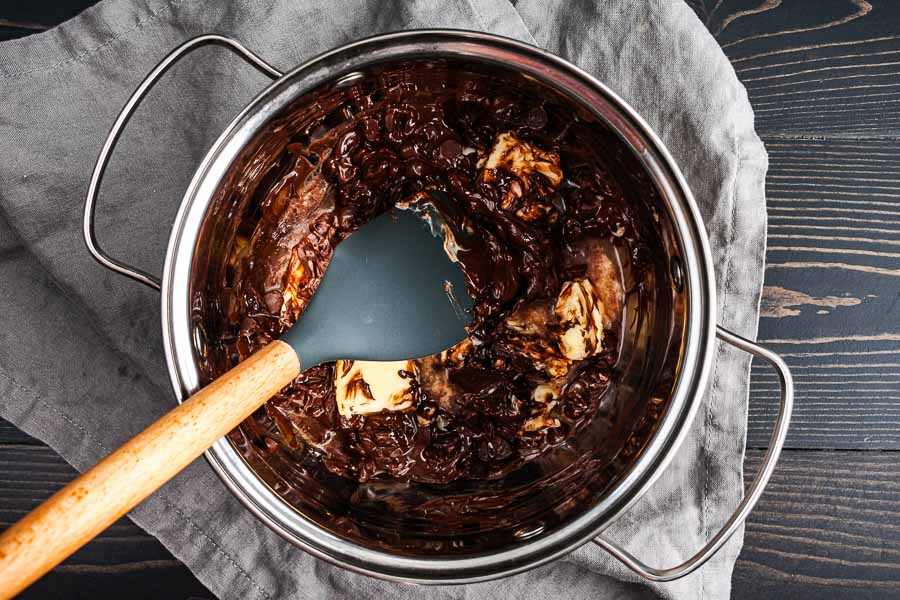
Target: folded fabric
x=81, y=362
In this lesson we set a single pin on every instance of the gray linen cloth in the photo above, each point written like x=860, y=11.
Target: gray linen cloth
x=81, y=361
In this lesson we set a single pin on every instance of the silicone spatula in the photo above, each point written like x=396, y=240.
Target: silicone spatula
x=390, y=292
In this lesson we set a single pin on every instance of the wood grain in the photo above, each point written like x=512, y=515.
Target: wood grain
x=824, y=79
x=18, y=19
x=121, y=561
x=830, y=303
x=828, y=526
x=93, y=501
x=10, y=434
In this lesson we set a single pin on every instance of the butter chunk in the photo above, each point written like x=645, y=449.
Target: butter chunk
x=547, y=394
x=519, y=158
x=290, y=294
x=370, y=387
x=542, y=421
x=580, y=314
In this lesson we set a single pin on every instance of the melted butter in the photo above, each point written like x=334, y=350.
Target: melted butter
x=546, y=394
x=520, y=158
x=368, y=387
x=580, y=313
x=291, y=303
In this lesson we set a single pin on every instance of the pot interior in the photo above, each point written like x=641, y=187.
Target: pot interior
x=464, y=517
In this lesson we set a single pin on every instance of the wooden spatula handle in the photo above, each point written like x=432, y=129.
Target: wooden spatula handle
x=118, y=483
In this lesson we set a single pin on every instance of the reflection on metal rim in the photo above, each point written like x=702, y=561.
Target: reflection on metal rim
x=696, y=275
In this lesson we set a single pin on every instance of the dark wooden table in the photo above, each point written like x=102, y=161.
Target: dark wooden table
x=824, y=79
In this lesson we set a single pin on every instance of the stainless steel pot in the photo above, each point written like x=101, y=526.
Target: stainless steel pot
x=685, y=290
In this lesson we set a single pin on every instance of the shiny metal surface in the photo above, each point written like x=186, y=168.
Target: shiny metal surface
x=695, y=280
x=737, y=518
x=90, y=202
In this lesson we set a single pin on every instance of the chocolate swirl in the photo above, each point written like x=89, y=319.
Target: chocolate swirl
x=507, y=395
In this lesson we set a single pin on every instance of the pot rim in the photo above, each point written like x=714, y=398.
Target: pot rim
x=699, y=280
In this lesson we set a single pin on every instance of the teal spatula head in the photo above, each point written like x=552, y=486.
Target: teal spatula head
x=390, y=292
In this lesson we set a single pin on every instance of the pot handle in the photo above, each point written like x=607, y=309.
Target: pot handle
x=756, y=488
x=90, y=237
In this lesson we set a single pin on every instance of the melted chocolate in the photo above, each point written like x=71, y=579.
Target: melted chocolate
x=523, y=239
